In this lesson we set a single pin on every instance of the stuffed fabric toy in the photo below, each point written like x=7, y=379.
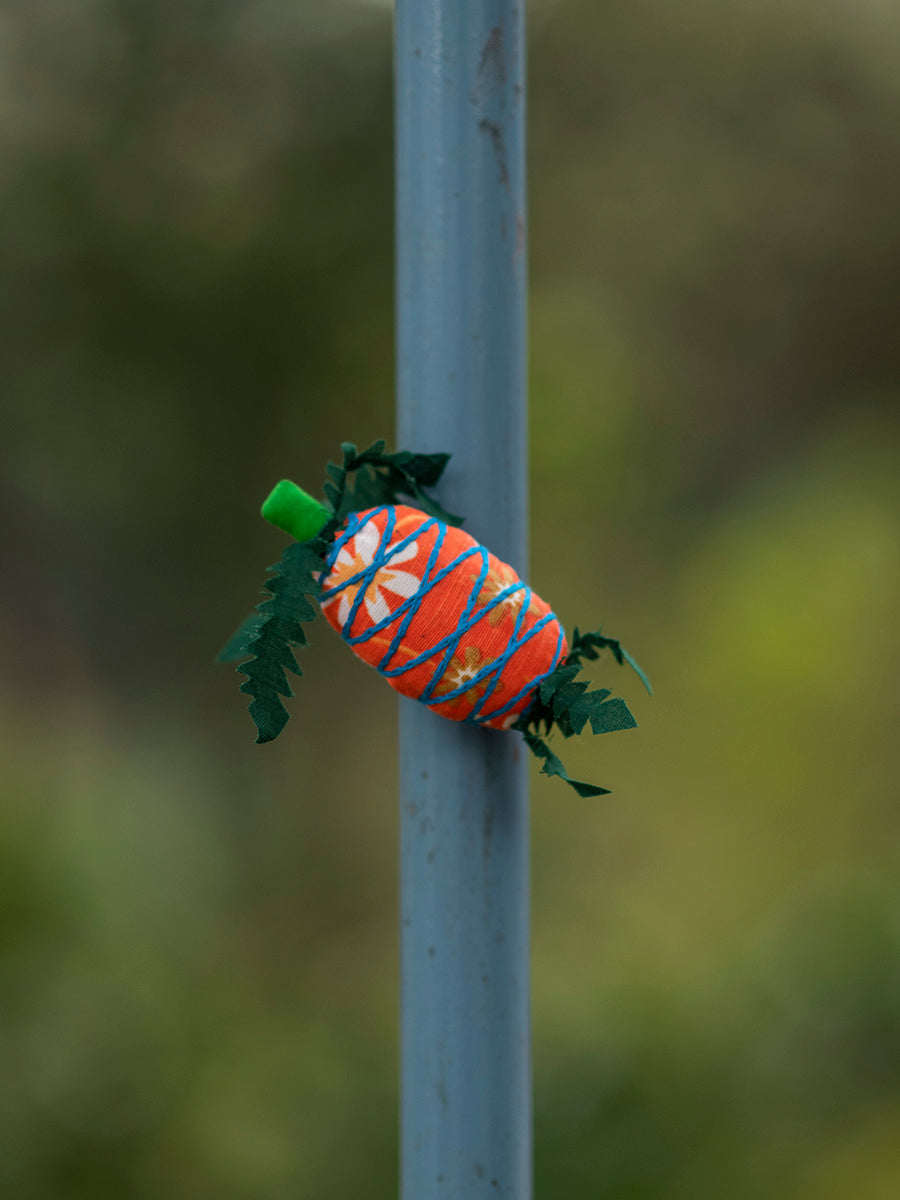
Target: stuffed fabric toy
x=416, y=597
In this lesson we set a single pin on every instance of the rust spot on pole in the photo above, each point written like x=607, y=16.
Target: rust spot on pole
x=495, y=133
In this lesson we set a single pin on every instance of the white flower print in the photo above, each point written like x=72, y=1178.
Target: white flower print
x=354, y=556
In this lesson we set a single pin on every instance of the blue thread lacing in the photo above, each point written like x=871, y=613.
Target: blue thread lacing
x=406, y=611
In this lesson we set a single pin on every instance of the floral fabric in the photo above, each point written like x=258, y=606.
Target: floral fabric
x=443, y=619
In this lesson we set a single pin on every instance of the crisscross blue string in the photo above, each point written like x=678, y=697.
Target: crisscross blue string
x=404, y=614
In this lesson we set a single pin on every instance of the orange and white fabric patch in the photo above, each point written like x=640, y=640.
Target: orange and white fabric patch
x=439, y=616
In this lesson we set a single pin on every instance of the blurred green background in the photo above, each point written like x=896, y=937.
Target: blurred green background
x=198, y=976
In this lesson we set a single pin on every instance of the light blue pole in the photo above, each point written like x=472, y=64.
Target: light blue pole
x=461, y=276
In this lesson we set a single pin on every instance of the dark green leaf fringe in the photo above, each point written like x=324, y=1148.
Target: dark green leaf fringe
x=382, y=478
x=267, y=636
x=564, y=701
x=237, y=646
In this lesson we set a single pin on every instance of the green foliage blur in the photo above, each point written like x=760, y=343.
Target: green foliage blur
x=199, y=950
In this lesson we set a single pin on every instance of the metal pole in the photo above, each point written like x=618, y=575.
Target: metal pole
x=461, y=275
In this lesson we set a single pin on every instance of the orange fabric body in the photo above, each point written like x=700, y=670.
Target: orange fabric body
x=467, y=617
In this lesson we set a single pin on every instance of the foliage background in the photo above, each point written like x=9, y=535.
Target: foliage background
x=198, y=973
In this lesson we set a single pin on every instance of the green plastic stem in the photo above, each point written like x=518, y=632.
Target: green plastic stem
x=295, y=511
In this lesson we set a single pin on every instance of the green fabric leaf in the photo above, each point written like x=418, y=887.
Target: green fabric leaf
x=268, y=636
x=350, y=453
x=383, y=478
x=423, y=469
x=553, y=766
x=558, y=678
x=608, y=716
x=334, y=495
x=586, y=645
x=236, y=647
x=565, y=702
x=564, y=697
x=370, y=489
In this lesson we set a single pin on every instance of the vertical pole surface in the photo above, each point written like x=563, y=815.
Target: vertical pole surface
x=461, y=275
